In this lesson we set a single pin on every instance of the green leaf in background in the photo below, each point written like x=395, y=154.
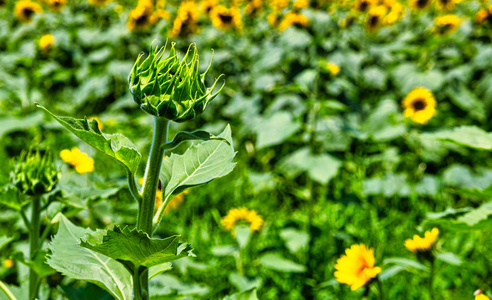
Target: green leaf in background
x=278, y=263
x=275, y=129
x=115, y=145
x=38, y=264
x=383, y=123
x=408, y=76
x=10, y=124
x=470, y=136
x=10, y=197
x=200, y=164
x=243, y=283
x=167, y=286
x=406, y=263
x=246, y=295
x=464, y=219
x=320, y=167
x=80, y=263
x=450, y=258
x=135, y=246
x=467, y=101
x=294, y=239
x=4, y=241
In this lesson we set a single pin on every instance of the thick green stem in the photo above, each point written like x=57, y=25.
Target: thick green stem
x=431, y=279
x=137, y=288
x=34, y=234
x=147, y=203
x=380, y=286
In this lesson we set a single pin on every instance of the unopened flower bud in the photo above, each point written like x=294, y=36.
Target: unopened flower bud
x=35, y=174
x=169, y=88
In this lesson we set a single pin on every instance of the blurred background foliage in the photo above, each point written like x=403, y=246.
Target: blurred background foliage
x=326, y=157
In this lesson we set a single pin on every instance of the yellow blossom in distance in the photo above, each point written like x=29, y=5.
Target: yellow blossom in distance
x=226, y=18
x=333, y=68
x=300, y=4
x=356, y=267
x=375, y=17
x=419, y=105
x=425, y=244
x=79, y=160
x=446, y=4
x=293, y=19
x=8, y=263
x=208, y=5
x=26, y=9
x=242, y=215
x=99, y=3
x=446, y=24
x=57, y=5
x=420, y=4
x=186, y=19
x=46, y=42
x=479, y=296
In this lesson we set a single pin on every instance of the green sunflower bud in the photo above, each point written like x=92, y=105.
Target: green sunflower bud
x=169, y=88
x=35, y=174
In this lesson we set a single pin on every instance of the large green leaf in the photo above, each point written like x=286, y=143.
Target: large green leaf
x=199, y=164
x=320, y=167
x=136, y=247
x=115, y=145
x=278, y=263
x=275, y=129
x=470, y=136
x=77, y=262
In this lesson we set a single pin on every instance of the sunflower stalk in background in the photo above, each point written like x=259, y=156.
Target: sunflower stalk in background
x=169, y=88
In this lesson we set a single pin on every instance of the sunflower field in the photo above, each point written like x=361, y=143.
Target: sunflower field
x=245, y=149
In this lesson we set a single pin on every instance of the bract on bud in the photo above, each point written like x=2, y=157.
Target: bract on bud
x=35, y=174
x=169, y=88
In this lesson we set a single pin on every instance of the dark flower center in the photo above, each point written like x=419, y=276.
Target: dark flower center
x=422, y=3
x=373, y=21
x=141, y=21
x=226, y=18
x=363, y=6
x=419, y=105
x=28, y=12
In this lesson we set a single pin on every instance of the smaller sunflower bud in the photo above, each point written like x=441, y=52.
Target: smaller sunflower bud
x=35, y=174
x=169, y=88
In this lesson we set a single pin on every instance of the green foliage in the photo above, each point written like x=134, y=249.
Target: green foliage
x=131, y=245
x=70, y=259
x=200, y=164
x=115, y=145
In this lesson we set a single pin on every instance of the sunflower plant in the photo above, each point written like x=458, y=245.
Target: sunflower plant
x=170, y=89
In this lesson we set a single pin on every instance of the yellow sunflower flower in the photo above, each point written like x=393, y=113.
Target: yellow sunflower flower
x=236, y=216
x=226, y=18
x=279, y=4
x=446, y=24
x=479, y=296
x=446, y=4
x=207, y=6
x=482, y=16
x=419, y=105
x=420, y=4
x=46, y=42
x=356, y=268
x=8, y=263
x=300, y=4
x=293, y=19
x=425, y=244
x=140, y=18
x=99, y=3
x=185, y=22
x=364, y=5
x=57, y=5
x=26, y=9
x=253, y=7
x=333, y=68
x=395, y=13
x=79, y=160
x=176, y=201
x=375, y=17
